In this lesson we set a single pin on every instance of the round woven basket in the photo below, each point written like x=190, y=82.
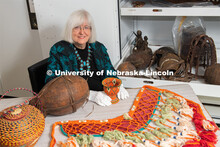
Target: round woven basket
x=20, y=126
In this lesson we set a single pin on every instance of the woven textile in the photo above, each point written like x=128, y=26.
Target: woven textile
x=141, y=111
x=23, y=126
x=175, y=120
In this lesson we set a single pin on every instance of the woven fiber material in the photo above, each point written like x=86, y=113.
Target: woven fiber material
x=23, y=126
x=140, y=114
x=145, y=108
x=62, y=95
x=141, y=111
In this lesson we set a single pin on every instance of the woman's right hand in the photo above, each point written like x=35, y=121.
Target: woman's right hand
x=100, y=98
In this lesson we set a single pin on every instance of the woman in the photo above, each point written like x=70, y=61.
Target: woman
x=80, y=51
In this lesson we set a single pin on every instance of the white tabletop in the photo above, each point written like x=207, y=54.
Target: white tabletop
x=99, y=112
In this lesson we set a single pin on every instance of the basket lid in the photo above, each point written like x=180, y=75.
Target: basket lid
x=16, y=113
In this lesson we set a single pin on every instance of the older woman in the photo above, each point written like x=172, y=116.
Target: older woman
x=79, y=51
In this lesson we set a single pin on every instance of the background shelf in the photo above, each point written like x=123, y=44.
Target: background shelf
x=149, y=10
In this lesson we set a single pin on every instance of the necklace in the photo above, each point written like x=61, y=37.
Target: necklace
x=83, y=63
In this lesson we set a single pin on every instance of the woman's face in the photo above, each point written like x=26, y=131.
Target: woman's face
x=81, y=35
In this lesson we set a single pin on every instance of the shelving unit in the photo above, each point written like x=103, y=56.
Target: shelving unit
x=128, y=12
x=150, y=10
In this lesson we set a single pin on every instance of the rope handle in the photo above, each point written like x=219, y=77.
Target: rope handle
x=19, y=105
x=10, y=90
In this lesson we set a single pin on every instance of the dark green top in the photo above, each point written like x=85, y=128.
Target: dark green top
x=62, y=58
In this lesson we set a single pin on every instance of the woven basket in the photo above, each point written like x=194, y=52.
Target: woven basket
x=20, y=125
x=62, y=95
x=184, y=1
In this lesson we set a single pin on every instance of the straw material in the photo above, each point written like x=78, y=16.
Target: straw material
x=23, y=126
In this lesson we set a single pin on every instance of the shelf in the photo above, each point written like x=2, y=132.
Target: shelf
x=210, y=101
x=199, y=87
x=154, y=48
x=149, y=10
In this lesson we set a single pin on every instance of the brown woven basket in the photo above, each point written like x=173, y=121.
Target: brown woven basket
x=62, y=95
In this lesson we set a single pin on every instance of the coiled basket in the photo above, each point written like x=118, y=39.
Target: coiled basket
x=20, y=125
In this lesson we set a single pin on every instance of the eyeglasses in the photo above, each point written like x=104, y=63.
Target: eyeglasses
x=85, y=28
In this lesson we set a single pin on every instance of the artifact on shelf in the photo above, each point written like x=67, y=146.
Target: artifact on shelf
x=142, y=54
x=193, y=45
x=126, y=66
x=212, y=74
x=138, y=3
x=188, y=34
x=145, y=46
x=159, y=53
x=184, y=30
x=139, y=42
x=140, y=60
x=202, y=52
x=172, y=63
x=62, y=95
x=20, y=125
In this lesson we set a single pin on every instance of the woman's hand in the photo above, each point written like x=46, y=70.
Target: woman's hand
x=100, y=98
x=123, y=93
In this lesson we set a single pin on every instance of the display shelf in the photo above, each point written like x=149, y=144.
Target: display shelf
x=199, y=86
x=210, y=101
x=149, y=10
x=154, y=48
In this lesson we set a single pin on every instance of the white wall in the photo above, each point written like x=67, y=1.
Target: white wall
x=53, y=14
x=1, y=45
x=19, y=46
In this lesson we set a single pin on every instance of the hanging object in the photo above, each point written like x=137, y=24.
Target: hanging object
x=21, y=125
x=62, y=95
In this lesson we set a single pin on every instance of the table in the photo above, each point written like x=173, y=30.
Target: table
x=101, y=113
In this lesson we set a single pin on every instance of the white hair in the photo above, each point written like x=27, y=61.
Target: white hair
x=78, y=18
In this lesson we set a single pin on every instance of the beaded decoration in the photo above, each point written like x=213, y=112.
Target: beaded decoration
x=153, y=121
x=83, y=63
